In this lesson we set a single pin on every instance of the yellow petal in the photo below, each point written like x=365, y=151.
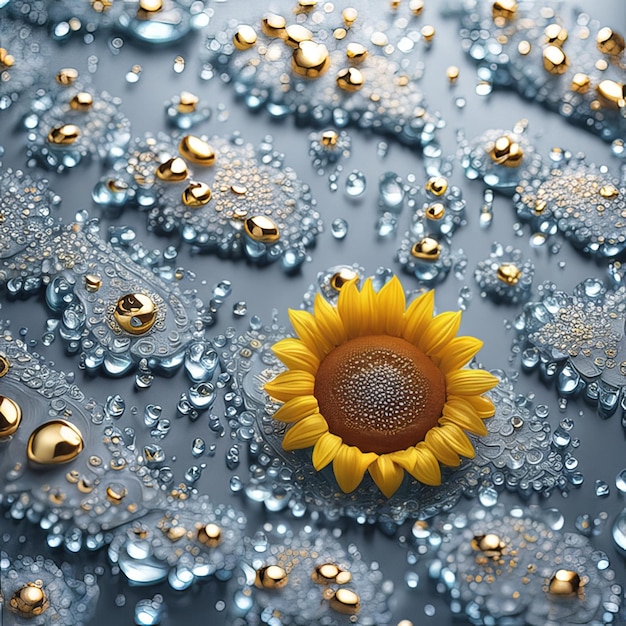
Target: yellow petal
x=438, y=444
x=370, y=312
x=290, y=384
x=349, y=309
x=440, y=331
x=296, y=355
x=386, y=474
x=460, y=351
x=306, y=329
x=469, y=382
x=391, y=305
x=482, y=405
x=328, y=321
x=405, y=458
x=297, y=409
x=417, y=316
x=426, y=468
x=461, y=413
x=325, y=450
x=349, y=466
x=305, y=433
x=458, y=440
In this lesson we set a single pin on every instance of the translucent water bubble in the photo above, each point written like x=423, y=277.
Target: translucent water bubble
x=620, y=481
x=601, y=489
x=148, y=612
x=391, y=191
x=355, y=184
x=339, y=228
x=488, y=496
x=619, y=531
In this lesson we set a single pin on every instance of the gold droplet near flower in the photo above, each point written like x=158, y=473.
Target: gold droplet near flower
x=66, y=76
x=426, y=249
x=271, y=577
x=10, y=416
x=6, y=59
x=135, y=313
x=116, y=493
x=274, y=25
x=416, y=6
x=349, y=15
x=262, y=229
x=341, y=278
x=30, y=599
x=187, y=102
x=509, y=273
x=82, y=101
x=196, y=150
x=580, y=83
x=489, y=544
x=437, y=185
x=329, y=139
x=310, y=59
x=295, y=34
x=4, y=365
x=435, y=211
x=452, y=73
x=610, y=42
x=329, y=573
x=428, y=32
x=507, y=152
x=612, y=94
x=555, y=60
x=609, y=191
x=196, y=194
x=350, y=79
x=92, y=283
x=356, y=52
x=555, y=35
x=565, y=582
x=245, y=37
x=346, y=602
x=64, y=135
x=54, y=442
x=210, y=535
x=174, y=170
x=504, y=10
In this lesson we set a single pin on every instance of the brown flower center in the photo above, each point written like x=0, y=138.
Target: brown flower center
x=379, y=393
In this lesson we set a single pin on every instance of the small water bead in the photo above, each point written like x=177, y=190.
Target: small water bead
x=411, y=579
x=619, y=531
x=391, y=191
x=620, y=481
x=198, y=447
x=355, y=184
x=601, y=489
x=339, y=228
x=149, y=612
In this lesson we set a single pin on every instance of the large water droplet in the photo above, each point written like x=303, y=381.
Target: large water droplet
x=619, y=531
x=355, y=184
x=391, y=190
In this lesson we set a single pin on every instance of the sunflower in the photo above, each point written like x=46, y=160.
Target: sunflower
x=375, y=386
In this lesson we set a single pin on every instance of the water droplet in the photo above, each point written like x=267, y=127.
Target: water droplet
x=488, y=496
x=553, y=518
x=411, y=579
x=391, y=190
x=619, y=531
x=620, y=481
x=240, y=308
x=148, y=612
x=339, y=228
x=355, y=184
x=601, y=488
x=198, y=447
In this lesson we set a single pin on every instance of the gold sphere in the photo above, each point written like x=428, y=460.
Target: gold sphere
x=310, y=59
x=295, y=34
x=210, y=535
x=150, y=6
x=612, y=94
x=4, y=365
x=329, y=138
x=350, y=79
x=435, y=211
x=262, y=229
x=580, y=83
x=116, y=493
x=609, y=191
x=609, y=42
x=346, y=602
x=342, y=277
x=196, y=195
x=554, y=60
x=54, y=442
x=245, y=37
x=436, y=185
x=565, y=582
x=187, y=102
x=82, y=101
x=274, y=25
x=66, y=76
x=29, y=600
x=196, y=150
x=426, y=249
x=271, y=577
x=507, y=152
x=489, y=544
x=509, y=273
x=10, y=416
x=174, y=170
x=92, y=283
x=555, y=35
x=504, y=10
x=349, y=15
x=64, y=134
x=329, y=573
x=135, y=313
x=356, y=52
x=6, y=59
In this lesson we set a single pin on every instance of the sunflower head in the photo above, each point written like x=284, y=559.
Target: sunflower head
x=372, y=385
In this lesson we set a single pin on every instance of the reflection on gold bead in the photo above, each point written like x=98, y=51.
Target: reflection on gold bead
x=262, y=229
x=66, y=76
x=92, y=283
x=342, y=277
x=6, y=59
x=612, y=94
x=295, y=34
x=610, y=42
x=329, y=573
x=329, y=139
x=580, y=83
x=554, y=60
x=307, y=5
x=427, y=249
x=150, y=6
x=54, y=442
x=310, y=59
x=116, y=185
x=490, y=545
x=210, y=535
x=346, y=602
x=196, y=150
x=416, y=6
x=428, y=32
x=187, y=102
x=435, y=211
x=82, y=101
x=274, y=25
x=437, y=185
x=135, y=313
x=349, y=15
x=29, y=600
x=609, y=191
x=10, y=416
x=64, y=135
x=356, y=52
x=565, y=582
x=196, y=195
x=271, y=577
x=504, y=9
x=452, y=73
x=174, y=170
x=350, y=79
x=245, y=37
x=116, y=493
x=507, y=152
x=555, y=35
x=101, y=6
x=174, y=533
x=4, y=365
x=239, y=190
x=509, y=273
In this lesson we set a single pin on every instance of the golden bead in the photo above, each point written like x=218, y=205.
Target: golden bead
x=524, y=47
x=509, y=273
x=116, y=493
x=580, y=83
x=82, y=101
x=307, y=5
x=329, y=139
x=342, y=277
x=356, y=52
x=435, y=211
x=349, y=15
x=187, y=102
x=504, y=9
x=295, y=34
x=274, y=25
x=64, y=135
x=350, y=79
x=245, y=37
x=6, y=59
x=554, y=60
x=196, y=195
x=490, y=544
x=428, y=32
x=555, y=35
x=29, y=600
x=174, y=170
x=54, y=442
x=66, y=76
x=4, y=365
x=239, y=190
x=345, y=601
x=92, y=283
x=116, y=185
x=150, y=6
x=609, y=191
x=507, y=152
x=612, y=94
x=310, y=59
x=196, y=150
x=436, y=185
x=135, y=313
x=271, y=577
x=262, y=229
x=565, y=582
x=174, y=533
x=101, y=6
x=426, y=249
x=452, y=73
x=610, y=42
x=329, y=573
x=416, y=6
x=10, y=416
x=210, y=535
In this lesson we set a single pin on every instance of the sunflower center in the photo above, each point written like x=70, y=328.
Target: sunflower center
x=379, y=393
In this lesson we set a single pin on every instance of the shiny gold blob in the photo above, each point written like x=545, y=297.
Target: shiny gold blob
x=428, y=32
x=565, y=582
x=342, y=277
x=135, y=313
x=239, y=190
x=504, y=9
x=54, y=442
x=356, y=52
x=307, y=5
x=150, y=6
x=187, y=102
x=310, y=59
x=610, y=42
x=555, y=35
x=245, y=37
x=82, y=101
x=554, y=60
x=92, y=283
x=436, y=185
x=174, y=533
x=350, y=79
x=612, y=94
x=346, y=602
x=416, y=6
x=29, y=600
x=507, y=152
x=4, y=365
x=295, y=34
x=6, y=59
x=101, y=6
x=274, y=25
x=116, y=493
x=210, y=535
x=426, y=249
x=262, y=229
x=609, y=191
x=435, y=211
x=196, y=150
x=509, y=273
x=452, y=73
x=524, y=47
x=580, y=83
x=329, y=139
x=271, y=577
x=490, y=545
x=10, y=416
x=196, y=195
x=329, y=573
x=64, y=135
x=349, y=15
x=66, y=76
x=174, y=170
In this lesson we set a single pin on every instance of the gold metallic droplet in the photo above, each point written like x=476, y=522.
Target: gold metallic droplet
x=609, y=191
x=54, y=442
x=437, y=185
x=342, y=277
x=601, y=65
x=72, y=477
x=187, y=102
x=82, y=101
x=554, y=60
x=565, y=582
x=30, y=599
x=174, y=170
x=452, y=73
x=6, y=59
x=349, y=15
x=245, y=37
x=174, y=533
x=196, y=194
x=271, y=577
x=524, y=47
x=555, y=34
x=307, y=5
x=101, y=6
x=426, y=249
x=239, y=190
x=92, y=283
x=64, y=135
x=507, y=152
x=428, y=32
x=405, y=622
x=116, y=493
x=612, y=94
x=340, y=33
x=350, y=79
x=4, y=365
x=66, y=76
x=416, y=6
x=346, y=602
x=150, y=6
x=610, y=42
x=135, y=313
x=10, y=416
x=490, y=545
x=509, y=273
x=435, y=211
x=196, y=150
x=274, y=25
x=580, y=83
x=329, y=138
x=329, y=573
x=262, y=229
x=356, y=52
x=310, y=59
x=504, y=10
x=210, y=535
x=295, y=34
